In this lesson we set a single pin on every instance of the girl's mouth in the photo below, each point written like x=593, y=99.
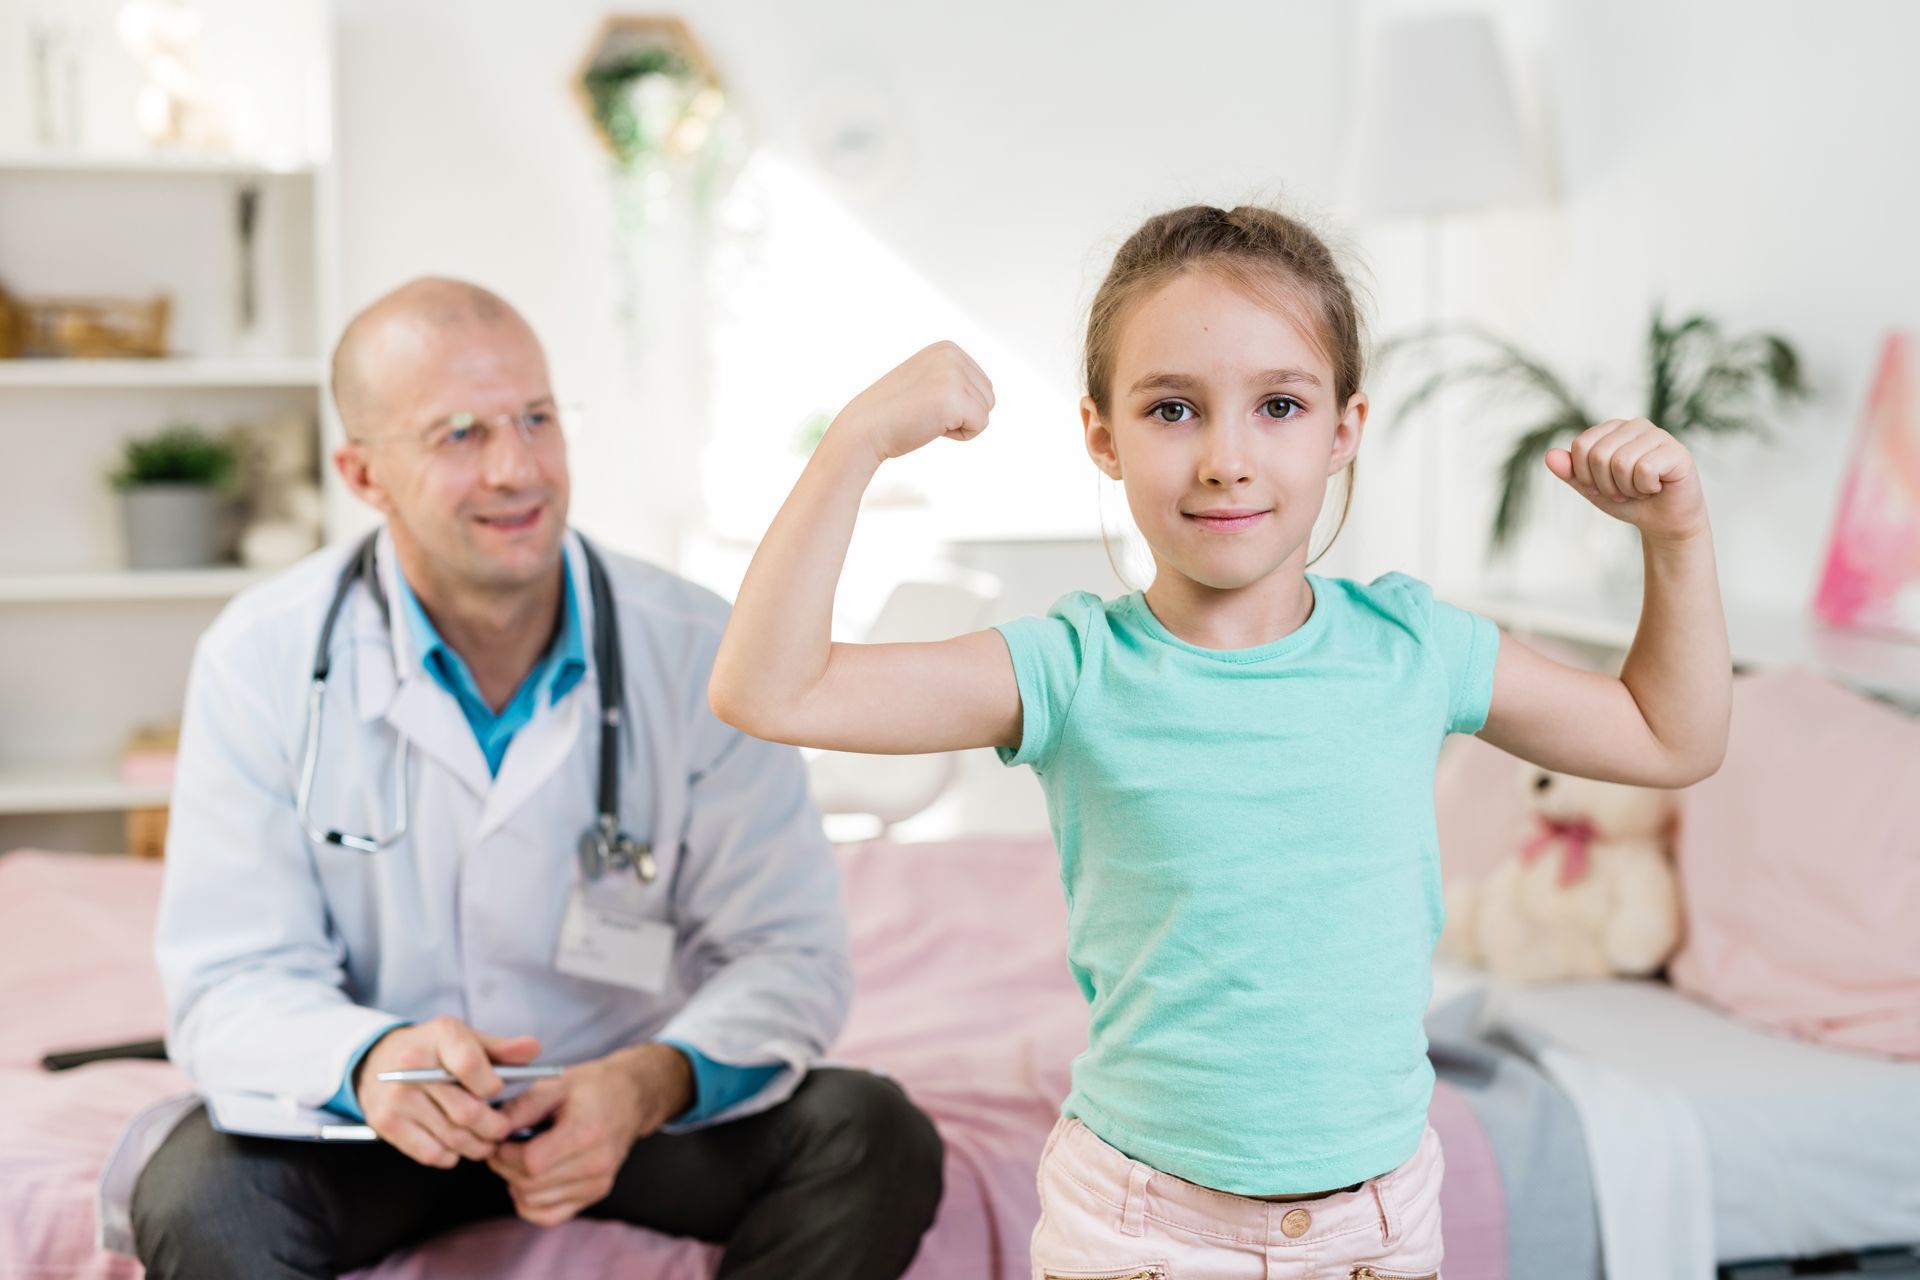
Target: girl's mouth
x=1227, y=519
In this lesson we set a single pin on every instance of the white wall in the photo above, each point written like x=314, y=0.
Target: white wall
x=1031, y=144
x=1750, y=158
x=1746, y=159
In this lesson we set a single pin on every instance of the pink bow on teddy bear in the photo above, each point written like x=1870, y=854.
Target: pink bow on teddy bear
x=1576, y=834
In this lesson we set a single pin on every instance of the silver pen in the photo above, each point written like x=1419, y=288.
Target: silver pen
x=440, y=1075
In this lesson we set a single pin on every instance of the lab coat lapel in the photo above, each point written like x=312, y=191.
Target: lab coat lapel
x=427, y=716
x=536, y=752
x=550, y=739
x=390, y=682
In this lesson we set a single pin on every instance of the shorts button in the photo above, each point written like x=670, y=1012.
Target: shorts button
x=1295, y=1224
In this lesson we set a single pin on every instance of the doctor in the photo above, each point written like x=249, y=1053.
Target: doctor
x=451, y=874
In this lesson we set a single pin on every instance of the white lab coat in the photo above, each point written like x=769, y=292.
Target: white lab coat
x=280, y=956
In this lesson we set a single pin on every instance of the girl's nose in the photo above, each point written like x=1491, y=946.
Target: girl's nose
x=1224, y=462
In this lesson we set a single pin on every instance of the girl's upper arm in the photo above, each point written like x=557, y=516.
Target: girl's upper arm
x=903, y=699
x=1570, y=720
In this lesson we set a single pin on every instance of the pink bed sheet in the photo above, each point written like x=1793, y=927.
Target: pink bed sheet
x=964, y=997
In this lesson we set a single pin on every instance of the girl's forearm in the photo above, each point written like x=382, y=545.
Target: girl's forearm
x=1679, y=670
x=781, y=633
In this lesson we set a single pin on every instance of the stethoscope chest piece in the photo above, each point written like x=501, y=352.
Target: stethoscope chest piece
x=603, y=850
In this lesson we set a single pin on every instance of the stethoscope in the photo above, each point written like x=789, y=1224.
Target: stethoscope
x=604, y=846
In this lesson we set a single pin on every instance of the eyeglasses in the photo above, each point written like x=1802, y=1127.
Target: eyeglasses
x=463, y=438
x=464, y=434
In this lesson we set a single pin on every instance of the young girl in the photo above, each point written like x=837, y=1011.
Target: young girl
x=1239, y=761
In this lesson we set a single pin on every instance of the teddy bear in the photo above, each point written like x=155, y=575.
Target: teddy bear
x=1590, y=892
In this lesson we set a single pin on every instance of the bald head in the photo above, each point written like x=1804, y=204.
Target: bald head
x=426, y=380
x=393, y=335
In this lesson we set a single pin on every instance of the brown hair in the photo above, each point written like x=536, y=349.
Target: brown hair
x=1274, y=257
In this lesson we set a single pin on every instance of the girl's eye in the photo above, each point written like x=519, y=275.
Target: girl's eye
x=1288, y=407
x=1169, y=411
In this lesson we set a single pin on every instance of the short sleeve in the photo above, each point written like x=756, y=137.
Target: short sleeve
x=1462, y=642
x=1049, y=659
x=1467, y=644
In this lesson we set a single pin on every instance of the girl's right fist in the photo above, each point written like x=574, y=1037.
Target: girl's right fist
x=937, y=392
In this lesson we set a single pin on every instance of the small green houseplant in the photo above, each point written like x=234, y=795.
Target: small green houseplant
x=173, y=496
x=1700, y=381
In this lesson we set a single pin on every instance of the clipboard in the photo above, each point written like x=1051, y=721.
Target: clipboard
x=266, y=1115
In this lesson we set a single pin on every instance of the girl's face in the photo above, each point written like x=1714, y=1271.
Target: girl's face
x=1224, y=430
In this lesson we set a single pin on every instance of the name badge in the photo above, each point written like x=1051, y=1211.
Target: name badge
x=602, y=942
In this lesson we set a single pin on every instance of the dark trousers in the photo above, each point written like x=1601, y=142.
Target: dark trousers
x=840, y=1180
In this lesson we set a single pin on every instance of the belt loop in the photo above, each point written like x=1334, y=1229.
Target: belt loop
x=1133, y=1215
x=1388, y=1228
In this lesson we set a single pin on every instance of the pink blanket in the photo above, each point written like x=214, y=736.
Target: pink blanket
x=1802, y=867
x=964, y=997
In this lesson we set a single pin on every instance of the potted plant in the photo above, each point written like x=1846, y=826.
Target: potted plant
x=173, y=497
x=1700, y=382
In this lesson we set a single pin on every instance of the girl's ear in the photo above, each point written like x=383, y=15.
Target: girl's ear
x=1100, y=443
x=1347, y=433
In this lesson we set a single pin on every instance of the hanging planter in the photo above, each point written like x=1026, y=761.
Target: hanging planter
x=651, y=95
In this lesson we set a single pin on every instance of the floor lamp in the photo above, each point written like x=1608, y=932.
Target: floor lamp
x=1437, y=134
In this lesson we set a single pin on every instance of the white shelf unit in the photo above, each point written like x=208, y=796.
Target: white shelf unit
x=75, y=789
x=126, y=585
x=89, y=650
x=81, y=375
x=144, y=164
x=1760, y=636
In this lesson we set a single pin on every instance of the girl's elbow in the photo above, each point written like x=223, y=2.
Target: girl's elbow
x=755, y=717
x=1699, y=765
x=727, y=705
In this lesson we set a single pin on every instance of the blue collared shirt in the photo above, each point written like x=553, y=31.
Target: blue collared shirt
x=554, y=676
x=717, y=1085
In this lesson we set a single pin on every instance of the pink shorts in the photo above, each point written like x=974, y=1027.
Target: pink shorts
x=1105, y=1217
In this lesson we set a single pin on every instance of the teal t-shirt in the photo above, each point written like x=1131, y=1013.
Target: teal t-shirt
x=1252, y=873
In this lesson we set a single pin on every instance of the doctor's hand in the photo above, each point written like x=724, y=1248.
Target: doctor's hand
x=437, y=1124
x=599, y=1110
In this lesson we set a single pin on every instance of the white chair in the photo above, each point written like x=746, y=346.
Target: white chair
x=883, y=789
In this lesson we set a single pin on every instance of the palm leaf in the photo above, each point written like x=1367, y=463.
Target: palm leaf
x=1698, y=381
x=1521, y=469
x=1502, y=367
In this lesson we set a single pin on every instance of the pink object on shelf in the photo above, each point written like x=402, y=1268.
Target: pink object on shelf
x=1800, y=867
x=1872, y=576
x=964, y=997
x=147, y=768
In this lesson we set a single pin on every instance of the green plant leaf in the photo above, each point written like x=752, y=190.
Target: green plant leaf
x=1522, y=469
x=179, y=454
x=1698, y=381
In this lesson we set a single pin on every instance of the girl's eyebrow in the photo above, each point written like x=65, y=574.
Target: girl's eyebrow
x=1286, y=376
x=1187, y=382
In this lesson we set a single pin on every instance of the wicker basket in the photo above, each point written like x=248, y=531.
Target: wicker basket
x=147, y=832
x=84, y=328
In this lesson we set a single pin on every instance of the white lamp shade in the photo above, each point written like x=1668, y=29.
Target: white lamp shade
x=1437, y=130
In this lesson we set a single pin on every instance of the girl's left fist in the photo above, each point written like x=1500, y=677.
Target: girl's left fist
x=1635, y=472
